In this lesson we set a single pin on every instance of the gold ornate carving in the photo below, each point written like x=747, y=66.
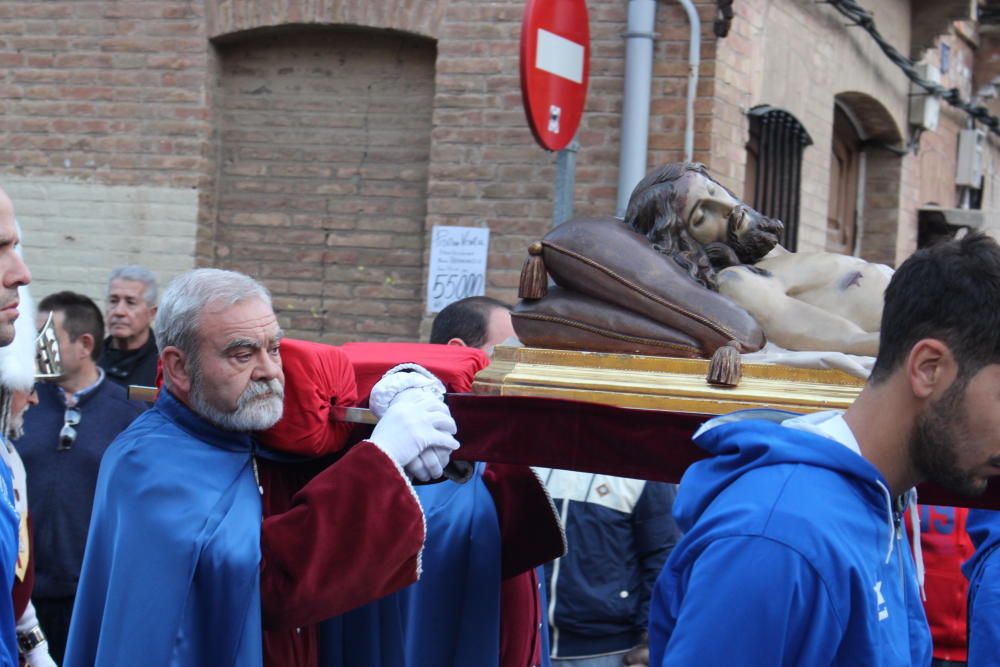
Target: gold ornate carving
x=660, y=383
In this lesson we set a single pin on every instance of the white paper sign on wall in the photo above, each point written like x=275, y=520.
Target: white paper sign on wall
x=458, y=265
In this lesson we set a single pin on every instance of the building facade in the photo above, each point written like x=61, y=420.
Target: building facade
x=315, y=143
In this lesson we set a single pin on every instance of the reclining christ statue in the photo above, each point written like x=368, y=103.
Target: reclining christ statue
x=611, y=294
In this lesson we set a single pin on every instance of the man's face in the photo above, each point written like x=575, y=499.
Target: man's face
x=13, y=271
x=498, y=329
x=237, y=381
x=713, y=214
x=956, y=440
x=128, y=313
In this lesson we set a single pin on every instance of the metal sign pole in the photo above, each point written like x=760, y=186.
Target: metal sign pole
x=562, y=204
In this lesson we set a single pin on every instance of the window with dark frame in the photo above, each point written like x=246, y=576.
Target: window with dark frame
x=774, y=167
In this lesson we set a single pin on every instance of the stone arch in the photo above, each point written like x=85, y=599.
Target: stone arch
x=872, y=120
x=880, y=176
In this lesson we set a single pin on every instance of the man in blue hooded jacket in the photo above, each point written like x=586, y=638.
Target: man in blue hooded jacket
x=794, y=552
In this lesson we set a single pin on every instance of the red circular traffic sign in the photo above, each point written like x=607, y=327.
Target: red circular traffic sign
x=555, y=66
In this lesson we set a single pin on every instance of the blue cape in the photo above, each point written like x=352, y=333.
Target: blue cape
x=9, y=524
x=451, y=617
x=171, y=574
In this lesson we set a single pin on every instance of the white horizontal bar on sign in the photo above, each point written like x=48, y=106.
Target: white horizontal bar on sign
x=560, y=56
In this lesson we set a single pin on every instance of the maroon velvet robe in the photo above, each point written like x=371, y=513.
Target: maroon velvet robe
x=335, y=537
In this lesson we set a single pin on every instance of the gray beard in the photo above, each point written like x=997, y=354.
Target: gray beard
x=252, y=413
x=15, y=429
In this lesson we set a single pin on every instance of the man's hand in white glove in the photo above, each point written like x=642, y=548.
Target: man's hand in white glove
x=418, y=434
x=404, y=379
x=39, y=656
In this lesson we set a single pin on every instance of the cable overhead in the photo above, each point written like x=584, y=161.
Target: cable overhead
x=862, y=18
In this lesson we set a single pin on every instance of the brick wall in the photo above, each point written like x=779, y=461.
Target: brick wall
x=324, y=143
x=102, y=134
x=112, y=225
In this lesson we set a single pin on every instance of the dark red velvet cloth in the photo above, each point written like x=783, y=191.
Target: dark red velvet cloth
x=520, y=640
x=589, y=437
x=529, y=527
x=334, y=537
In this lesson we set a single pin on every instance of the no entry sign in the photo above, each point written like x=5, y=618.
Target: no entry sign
x=555, y=66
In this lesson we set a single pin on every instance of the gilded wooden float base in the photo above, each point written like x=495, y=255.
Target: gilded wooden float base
x=660, y=383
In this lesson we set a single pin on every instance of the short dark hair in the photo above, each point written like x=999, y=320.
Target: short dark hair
x=80, y=316
x=467, y=319
x=951, y=292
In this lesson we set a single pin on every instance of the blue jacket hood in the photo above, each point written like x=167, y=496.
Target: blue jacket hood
x=749, y=439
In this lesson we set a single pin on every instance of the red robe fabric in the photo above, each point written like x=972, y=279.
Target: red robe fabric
x=322, y=518
x=334, y=537
x=339, y=531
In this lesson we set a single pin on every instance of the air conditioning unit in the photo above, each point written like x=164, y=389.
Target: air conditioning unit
x=969, y=170
x=925, y=107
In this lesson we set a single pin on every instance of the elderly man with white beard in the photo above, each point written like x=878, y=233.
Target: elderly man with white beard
x=183, y=566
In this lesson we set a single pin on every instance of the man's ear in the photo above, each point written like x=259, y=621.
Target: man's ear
x=931, y=368
x=152, y=312
x=456, y=341
x=175, y=370
x=87, y=342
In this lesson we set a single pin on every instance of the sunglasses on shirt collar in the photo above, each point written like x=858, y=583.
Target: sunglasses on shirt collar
x=67, y=434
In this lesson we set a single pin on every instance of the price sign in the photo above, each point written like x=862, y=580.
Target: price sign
x=458, y=265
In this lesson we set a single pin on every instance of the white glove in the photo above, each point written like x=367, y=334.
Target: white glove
x=417, y=433
x=400, y=379
x=39, y=656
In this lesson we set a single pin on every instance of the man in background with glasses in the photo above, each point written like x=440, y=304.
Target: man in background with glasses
x=77, y=417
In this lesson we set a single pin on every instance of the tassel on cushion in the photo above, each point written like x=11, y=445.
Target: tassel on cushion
x=726, y=368
x=534, y=279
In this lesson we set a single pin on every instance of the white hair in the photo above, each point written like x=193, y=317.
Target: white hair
x=189, y=294
x=139, y=274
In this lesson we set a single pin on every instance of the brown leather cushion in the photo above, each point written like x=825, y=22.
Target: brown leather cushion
x=567, y=320
x=603, y=259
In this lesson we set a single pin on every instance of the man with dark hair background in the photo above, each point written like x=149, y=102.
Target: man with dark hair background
x=77, y=417
x=794, y=542
x=478, y=321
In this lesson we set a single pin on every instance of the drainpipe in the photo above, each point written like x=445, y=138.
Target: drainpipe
x=635, y=103
x=638, y=82
x=694, y=60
